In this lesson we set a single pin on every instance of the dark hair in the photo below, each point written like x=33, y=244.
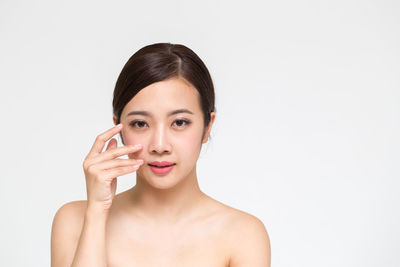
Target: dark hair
x=158, y=62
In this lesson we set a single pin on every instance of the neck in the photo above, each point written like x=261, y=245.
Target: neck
x=169, y=205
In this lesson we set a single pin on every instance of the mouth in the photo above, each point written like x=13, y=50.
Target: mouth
x=152, y=165
x=160, y=164
x=161, y=169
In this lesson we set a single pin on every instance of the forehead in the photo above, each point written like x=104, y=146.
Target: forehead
x=164, y=96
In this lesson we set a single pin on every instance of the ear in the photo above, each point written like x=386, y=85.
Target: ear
x=207, y=133
x=115, y=120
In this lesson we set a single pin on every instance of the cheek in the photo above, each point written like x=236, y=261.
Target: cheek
x=133, y=139
x=190, y=141
x=189, y=146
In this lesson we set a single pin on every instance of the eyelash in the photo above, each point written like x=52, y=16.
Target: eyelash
x=133, y=123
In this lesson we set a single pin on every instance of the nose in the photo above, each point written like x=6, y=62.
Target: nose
x=159, y=141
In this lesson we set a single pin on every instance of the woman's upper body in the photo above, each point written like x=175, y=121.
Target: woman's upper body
x=214, y=235
x=164, y=99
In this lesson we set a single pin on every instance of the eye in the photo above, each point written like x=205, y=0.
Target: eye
x=138, y=123
x=181, y=122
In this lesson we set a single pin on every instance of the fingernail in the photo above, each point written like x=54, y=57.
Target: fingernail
x=139, y=161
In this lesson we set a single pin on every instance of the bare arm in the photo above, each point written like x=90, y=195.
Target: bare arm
x=91, y=249
x=66, y=229
x=78, y=236
x=79, y=228
x=251, y=244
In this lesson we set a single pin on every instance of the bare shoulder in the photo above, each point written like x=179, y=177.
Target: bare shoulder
x=70, y=214
x=247, y=238
x=65, y=233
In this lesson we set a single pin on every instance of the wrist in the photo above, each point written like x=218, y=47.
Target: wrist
x=96, y=210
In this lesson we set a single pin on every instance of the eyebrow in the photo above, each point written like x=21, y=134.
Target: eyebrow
x=146, y=113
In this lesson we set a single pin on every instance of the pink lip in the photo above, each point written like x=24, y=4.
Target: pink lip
x=161, y=163
x=161, y=167
x=161, y=170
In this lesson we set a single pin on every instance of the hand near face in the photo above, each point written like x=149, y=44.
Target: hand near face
x=102, y=168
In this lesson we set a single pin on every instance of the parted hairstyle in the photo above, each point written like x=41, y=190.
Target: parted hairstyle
x=158, y=62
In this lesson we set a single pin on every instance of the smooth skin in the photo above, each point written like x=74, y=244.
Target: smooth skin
x=163, y=220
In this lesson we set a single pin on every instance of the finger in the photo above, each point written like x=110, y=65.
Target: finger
x=101, y=140
x=109, y=164
x=114, y=153
x=112, y=144
x=114, y=173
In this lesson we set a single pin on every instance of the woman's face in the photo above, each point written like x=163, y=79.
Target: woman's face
x=166, y=118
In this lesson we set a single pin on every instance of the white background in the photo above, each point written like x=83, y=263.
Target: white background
x=307, y=130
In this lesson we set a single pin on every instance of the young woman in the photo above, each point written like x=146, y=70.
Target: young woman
x=163, y=110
